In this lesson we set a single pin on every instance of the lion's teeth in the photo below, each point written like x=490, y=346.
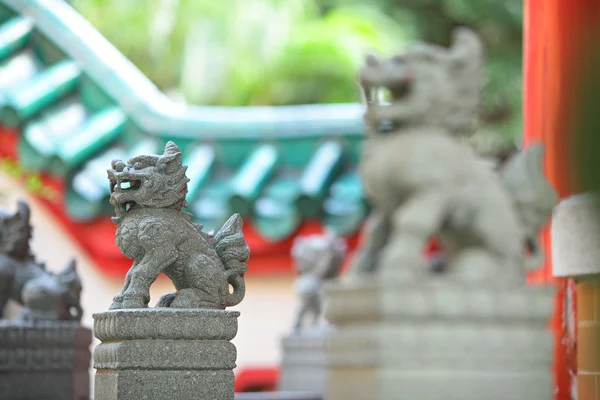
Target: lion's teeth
x=125, y=185
x=127, y=206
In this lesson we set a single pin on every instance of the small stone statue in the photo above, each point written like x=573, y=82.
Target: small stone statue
x=425, y=180
x=148, y=193
x=318, y=258
x=44, y=295
x=180, y=349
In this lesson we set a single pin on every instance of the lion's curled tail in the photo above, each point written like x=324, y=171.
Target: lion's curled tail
x=532, y=194
x=234, y=252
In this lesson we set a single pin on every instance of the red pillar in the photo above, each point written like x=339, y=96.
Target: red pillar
x=557, y=34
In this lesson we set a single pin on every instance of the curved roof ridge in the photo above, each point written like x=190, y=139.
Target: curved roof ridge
x=153, y=111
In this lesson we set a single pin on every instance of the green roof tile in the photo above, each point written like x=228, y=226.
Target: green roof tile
x=88, y=191
x=345, y=208
x=13, y=35
x=200, y=162
x=43, y=136
x=80, y=104
x=248, y=182
x=24, y=101
x=17, y=69
x=275, y=212
x=317, y=177
x=210, y=208
x=91, y=137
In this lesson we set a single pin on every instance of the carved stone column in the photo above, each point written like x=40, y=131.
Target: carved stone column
x=438, y=340
x=576, y=254
x=165, y=353
x=44, y=360
x=303, y=365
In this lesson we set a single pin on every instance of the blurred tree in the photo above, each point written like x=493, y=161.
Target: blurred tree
x=241, y=52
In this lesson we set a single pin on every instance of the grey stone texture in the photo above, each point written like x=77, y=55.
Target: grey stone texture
x=425, y=180
x=165, y=353
x=279, y=396
x=474, y=330
x=303, y=364
x=148, y=193
x=43, y=294
x=575, y=237
x=180, y=349
x=318, y=259
x=438, y=341
x=45, y=360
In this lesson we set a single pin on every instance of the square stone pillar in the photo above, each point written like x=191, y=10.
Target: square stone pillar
x=438, y=340
x=576, y=254
x=303, y=365
x=44, y=360
x=164, y=353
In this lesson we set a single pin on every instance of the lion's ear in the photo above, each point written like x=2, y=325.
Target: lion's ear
x=171, y=160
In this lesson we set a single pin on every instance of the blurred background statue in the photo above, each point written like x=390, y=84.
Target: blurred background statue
x=415, y=334
x=318, y=258
x=43, y=294
x=424, y=180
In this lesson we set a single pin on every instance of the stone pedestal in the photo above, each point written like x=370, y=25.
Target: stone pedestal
x=436, y=340
x=44, y=360
x=303, y=367
x=576, y=254
x=163, y=353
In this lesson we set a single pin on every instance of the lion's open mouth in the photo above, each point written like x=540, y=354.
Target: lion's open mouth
x=119, y=189
x=130, y=184
x=126, y=184
x=129, y=205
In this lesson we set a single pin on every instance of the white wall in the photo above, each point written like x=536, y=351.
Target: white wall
x=267, y=311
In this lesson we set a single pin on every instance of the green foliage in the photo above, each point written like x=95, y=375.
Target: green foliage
x=241, y=52
x=263, y=52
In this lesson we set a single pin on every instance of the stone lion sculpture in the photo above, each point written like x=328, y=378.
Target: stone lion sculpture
x=148, y=193
x=425, y=180
x=43, y=294
x=317, y=258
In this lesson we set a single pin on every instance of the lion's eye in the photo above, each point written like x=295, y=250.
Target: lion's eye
x=118, y=165
x=138, y=165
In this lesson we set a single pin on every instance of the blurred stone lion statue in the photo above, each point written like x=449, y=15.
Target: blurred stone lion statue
x=317, y=258
x=43, y=294
x=425, y=180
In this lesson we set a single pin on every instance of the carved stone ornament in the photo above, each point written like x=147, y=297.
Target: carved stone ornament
x=180, y=349
x=148, y=193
